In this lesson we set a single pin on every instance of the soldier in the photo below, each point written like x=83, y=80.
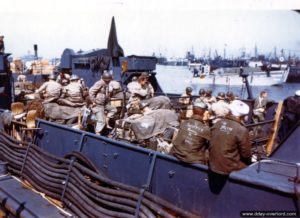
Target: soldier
x=99, y=95
x=50, y=90
x=209, y=98
x=230, y=97
x=132, y=84
x=2, y=47
x=148, y=87
x=220, y=109
x=136, y=88
x=63, y=77
x=74, y=91
x=230, y=147
x=143, y=90
x=202, y=94
x=186, y=98
x=191, y=143
x=260, y=104
x=115, y=89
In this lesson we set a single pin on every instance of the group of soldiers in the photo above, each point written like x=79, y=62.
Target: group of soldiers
x=214, y=120
x=215, y=134
x=71, y=91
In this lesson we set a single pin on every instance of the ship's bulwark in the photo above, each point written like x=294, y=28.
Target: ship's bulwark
x=186, y=186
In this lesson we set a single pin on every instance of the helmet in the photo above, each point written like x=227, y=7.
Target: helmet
x=188, y=89
x=209, y=91
x=145, y=74
x=202, y=92
x=51, y=76
x=106, y=76
x=134, y=78
x=221, y=96
x=229, y=94
x=74, y=77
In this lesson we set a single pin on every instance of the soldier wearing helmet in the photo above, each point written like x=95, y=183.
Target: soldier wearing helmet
x=64, y=77
x=99, y=95
x=202, y=94
x=209, y=98
x=132, y=84
x=50, y=90
x=192, y=140
x=221, y=108
x=73, y=92
x=186, y=98
x=230, y=97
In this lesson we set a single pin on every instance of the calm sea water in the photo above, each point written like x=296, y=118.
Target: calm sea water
x=174, y=79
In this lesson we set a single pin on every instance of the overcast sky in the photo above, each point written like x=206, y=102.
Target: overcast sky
x=170, y=27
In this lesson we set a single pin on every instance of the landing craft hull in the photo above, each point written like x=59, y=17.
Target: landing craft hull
x=255, y=79
x=187, y=186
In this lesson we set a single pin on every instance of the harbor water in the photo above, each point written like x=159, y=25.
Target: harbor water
x=174, y=79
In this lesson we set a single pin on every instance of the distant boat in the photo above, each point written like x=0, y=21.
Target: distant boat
x=255, y=78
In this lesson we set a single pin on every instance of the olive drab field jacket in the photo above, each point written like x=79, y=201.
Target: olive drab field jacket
x=229, y=146
x=192, y=141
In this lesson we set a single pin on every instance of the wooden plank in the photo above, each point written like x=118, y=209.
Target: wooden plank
x=270, y=144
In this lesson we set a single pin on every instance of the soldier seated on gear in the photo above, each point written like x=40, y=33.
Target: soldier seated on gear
x=186, y=98
x=99, y=95
x=230, y=147
x=147, y=86
x=64, y=77
x=192, y=140
x=50, y=91
x=132, y=84
x=74, y=91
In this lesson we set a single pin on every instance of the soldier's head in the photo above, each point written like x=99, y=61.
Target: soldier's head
x=239, y=109
x=199, y=108
x=106, y=77
x=146, y=75
x=1, y=38
x=74, y=78
x=188, y=90
x=230, y=96
x=202, y=92
x=142, y=80
x=221, y=96
x=263, y=94
x=209, y=92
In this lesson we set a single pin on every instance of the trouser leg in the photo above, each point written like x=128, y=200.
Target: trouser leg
x=111, y=112
x=100, y=116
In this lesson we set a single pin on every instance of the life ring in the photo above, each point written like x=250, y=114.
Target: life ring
x=281, y=59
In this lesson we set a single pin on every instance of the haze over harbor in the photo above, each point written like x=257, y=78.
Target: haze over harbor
x=168, y=27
